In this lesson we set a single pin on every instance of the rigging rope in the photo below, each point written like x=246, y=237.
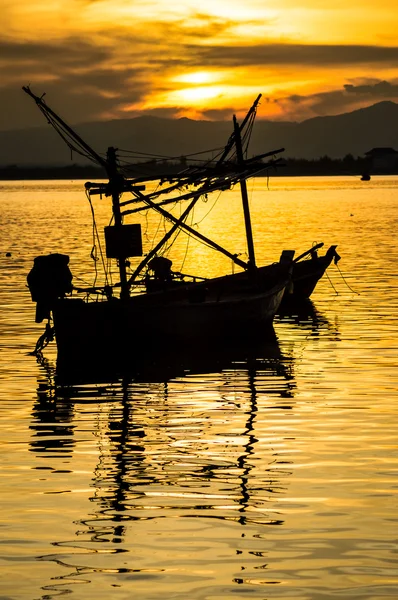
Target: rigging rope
x=65, y=135
x=44, y=340
x=187, y=246
x=94, y=248
x=343, y=278
x=209, y=211
x=163, y=157
x=330, y=281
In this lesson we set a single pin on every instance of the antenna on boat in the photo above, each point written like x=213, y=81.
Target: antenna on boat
x=116, y=185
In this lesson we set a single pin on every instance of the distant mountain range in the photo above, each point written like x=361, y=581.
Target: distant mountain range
x=336, y=136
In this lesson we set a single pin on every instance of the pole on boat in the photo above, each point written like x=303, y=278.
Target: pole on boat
x=46, y=110
x=245, y=199
x=116, y=184
x=232, y=140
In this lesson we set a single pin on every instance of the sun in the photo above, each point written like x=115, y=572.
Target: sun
x=197, y=77
x=197, y=95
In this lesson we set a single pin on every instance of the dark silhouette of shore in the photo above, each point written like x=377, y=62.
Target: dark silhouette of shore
x=349, y=165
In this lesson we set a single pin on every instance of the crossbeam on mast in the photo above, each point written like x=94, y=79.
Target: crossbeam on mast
x=181, y=223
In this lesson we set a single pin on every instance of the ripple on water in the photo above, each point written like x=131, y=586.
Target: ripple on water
x=265, y=476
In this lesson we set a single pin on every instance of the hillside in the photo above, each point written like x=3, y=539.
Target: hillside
x=336, y=136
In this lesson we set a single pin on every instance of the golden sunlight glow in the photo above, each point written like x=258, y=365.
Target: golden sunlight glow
x=197, y=77
x=197, y=94
x=352, y=23
x=187, y=59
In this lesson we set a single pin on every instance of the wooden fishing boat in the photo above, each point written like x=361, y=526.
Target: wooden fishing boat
x=169, y=308
x=308, y=268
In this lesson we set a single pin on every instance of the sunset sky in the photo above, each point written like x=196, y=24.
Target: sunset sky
x=102, y=59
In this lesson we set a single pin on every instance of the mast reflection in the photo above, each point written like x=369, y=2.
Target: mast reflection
x=177, y=438
x=52, y=419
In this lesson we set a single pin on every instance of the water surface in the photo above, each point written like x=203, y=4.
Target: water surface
x=268, y=471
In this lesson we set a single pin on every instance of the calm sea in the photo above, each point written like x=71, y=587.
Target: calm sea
x=267, y=472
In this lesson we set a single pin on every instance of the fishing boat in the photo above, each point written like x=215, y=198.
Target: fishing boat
x=307, y=270
x=152, y=305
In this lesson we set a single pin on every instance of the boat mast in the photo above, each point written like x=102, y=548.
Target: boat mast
x=234, y=139
x=245, y=199
x=116, y=185
x=231, y=140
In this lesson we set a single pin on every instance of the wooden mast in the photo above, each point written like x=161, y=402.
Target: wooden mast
x=245, y=199
x=116, y=184
x=234, y=139
x=231, y=140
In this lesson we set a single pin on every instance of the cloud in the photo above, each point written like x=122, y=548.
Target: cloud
x=113, y=72
x=70, y=51
x=351, y=97
x=77, y=97
x=380, y=89
x=82, y=81
x=297, y=54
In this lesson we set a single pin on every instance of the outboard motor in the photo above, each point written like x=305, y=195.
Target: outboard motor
x=49, y=279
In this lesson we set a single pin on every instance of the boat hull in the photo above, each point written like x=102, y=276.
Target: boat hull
x=306, y=274
x=115, y=332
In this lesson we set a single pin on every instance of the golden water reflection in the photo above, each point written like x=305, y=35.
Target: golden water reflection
x=184, y=454
x=264, y=473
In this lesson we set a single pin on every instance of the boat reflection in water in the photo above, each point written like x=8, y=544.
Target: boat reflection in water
x=182, y=444
x=305, y=314
x=168, y=360
x=192, y=453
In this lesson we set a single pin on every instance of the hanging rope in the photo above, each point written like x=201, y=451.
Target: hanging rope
x=96, y=239
x=187, y=246
x=330, y=281
x=72, y=143
x=343, y=278
x=209, y=211
x=44, y=340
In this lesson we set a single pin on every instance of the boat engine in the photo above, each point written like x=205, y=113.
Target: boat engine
x=49, y=279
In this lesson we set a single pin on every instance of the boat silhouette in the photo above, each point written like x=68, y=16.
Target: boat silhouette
x=155, y=306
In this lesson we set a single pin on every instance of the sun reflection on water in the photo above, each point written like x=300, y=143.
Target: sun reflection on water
x=263, y=471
